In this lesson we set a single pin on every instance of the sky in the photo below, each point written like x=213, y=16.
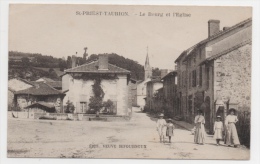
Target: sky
x=58, y=30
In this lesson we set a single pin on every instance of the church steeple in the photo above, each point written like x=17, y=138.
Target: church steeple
x=147, y=59
x=147, y=68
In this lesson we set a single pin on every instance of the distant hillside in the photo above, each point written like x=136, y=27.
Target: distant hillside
x=38, y=65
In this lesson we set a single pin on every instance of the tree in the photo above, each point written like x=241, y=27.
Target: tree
x=62, y=64
x=95, y=102
x=25, y=61
x=70, y=107
x=69, y=62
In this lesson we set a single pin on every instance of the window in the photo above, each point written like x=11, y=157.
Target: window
x=183, y=79
x=190, y=81
x=200, y=76
x=194, y=78
x=207, y=71
x=83, y=107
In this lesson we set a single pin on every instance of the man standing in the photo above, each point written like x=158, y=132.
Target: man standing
x=160, y=124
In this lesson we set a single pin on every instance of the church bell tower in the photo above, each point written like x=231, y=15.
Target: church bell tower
x=147, y=68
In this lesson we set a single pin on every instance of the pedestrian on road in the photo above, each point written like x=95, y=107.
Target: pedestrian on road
x=169, y=130
x=160, y=124
x=218, y=129
x=199, y=136
x=231, y=130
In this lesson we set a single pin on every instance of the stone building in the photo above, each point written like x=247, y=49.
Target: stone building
x=42, y=93
x=14, y=85
x=170, y=94
x=154, y=96
x=77, y=84
x=133, y=86
x=215, y=74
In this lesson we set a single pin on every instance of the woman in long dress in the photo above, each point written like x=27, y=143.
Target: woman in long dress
x=199, y=135
x=231, y=130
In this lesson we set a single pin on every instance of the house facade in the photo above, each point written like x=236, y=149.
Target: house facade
x=14, y=85
x=40, y=92
x=154, y=96
x=215, y=74
x=78, y=83
x=170, y=94
x=133, y=86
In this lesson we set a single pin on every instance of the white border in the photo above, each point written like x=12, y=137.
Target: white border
x=255, y=123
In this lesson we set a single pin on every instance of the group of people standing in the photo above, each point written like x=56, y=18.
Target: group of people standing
x=228, y=132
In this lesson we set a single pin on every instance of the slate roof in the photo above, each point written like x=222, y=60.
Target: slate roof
x=40, y=89
x=220, y=33
x=170, y=74
x=225, y=52
x=93, y=68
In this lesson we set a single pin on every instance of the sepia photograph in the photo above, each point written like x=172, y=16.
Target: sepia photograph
x=129, y=81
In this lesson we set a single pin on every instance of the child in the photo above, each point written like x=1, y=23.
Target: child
x=218, y=129
x=169, y=130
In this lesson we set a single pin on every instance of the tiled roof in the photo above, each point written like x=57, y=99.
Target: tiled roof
x=40, y=103
x=40, y=88
x=55, y=84
x=93, y=68
x=220, y=33
x=46, y=79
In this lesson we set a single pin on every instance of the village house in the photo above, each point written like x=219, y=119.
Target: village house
x=170, y=99
x=39, y=98
x=133, y=86
x=154, y=100
x=78, y=82
x=215, y=74
x=14, y=85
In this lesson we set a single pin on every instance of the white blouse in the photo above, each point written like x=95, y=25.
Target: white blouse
x=231, y=119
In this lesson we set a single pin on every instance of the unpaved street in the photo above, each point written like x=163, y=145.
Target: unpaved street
x=87, y=139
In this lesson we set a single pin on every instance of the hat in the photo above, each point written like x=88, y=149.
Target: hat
x=161, y=115
x=170, y=120
x=232, y=110
x=218, y=116
x=199, y=111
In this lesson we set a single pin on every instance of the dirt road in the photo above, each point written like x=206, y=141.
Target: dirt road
x=136, y=138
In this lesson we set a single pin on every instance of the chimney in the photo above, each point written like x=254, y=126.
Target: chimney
x=225, y=28
x=163, y=72
x=103, y=62
x=213, y=27
x=73, y=61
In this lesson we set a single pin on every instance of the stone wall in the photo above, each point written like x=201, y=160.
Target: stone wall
x=233, y=77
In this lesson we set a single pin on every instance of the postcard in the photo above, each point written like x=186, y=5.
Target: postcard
x=129, y=81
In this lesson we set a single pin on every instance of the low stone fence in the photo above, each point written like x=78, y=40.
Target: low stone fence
x=65, y=116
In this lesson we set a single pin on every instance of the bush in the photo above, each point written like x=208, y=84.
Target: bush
x=243, y=127
x=70, y=107
x=47, y=118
